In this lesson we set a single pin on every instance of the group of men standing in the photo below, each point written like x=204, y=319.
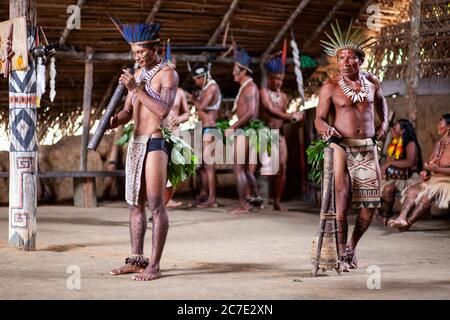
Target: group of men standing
x=268, y=104
x=154, y=101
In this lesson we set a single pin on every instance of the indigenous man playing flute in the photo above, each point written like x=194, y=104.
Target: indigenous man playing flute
x=151, y=94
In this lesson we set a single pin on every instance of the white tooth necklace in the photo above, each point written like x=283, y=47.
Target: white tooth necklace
x=355, y=96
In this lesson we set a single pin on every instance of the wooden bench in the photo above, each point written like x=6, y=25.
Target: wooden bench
x=84, y=192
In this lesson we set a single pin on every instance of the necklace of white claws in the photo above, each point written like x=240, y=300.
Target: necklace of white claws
x=275, y=96
x=355, y=96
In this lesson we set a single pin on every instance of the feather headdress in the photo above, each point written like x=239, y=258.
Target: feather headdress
x=168, y=53
x=352, y=39
x=138, y=33
x=200, y=69
x=242, y=58
x=277, y=63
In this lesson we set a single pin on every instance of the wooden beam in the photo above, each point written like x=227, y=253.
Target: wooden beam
x=325, y=21
x=285, y=27
x=152, y=14
x=413, y=57
x=225, y=35
x=66, y=32
x=127, y=56
x=87, y=98
x=223, y=23
x=23, y=153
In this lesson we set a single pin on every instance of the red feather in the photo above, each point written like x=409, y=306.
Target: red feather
x=284, y=53
x=37, y=37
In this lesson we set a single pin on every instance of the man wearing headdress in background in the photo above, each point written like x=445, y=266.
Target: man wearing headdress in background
x=273, y=111
x=208, y=105
x=245, y=109
x=178, y=114
x=151, y=94
x=353, y=97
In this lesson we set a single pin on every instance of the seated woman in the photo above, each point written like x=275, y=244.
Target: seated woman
x=402, y=166
x=435, y=184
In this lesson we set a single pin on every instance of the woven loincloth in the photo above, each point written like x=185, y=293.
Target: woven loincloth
x=134, y=167
x=362, y=165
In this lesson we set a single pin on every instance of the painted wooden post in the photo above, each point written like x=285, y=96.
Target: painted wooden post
x=413, y=65
x=84, y=188
x=87, y=97
x=23, y=153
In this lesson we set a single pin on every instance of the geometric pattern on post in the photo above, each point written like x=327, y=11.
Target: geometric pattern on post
x=23, y=129
x=22, y=198
x=23, y=154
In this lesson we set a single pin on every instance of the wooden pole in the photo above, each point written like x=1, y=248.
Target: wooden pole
x=23, y=153
x=413, y=65
x=223, y=24
x=225, y=34
x=154, y=11
x=286, y=26
x=66, y=32
x=325, y=21
x=87, y=97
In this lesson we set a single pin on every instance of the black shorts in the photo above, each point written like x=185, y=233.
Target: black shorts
x=155, y=144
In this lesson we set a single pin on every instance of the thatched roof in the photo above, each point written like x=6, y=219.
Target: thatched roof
x=253, y=25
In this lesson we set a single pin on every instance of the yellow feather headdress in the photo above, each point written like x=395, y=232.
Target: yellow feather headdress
x=352, y=39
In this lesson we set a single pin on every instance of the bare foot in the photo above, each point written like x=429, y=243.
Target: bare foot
x=150, y=273
x=343, y=265
x=399, y=223
x=278, y=207
x=208, y=204
x=240, y=209
x=201, y=198
x=354, y=262
x=127, y=268
x=173, y=204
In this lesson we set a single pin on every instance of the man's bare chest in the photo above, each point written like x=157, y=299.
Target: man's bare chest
x=344, y=103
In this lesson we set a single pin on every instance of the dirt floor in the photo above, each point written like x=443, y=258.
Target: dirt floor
x=213, y=255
